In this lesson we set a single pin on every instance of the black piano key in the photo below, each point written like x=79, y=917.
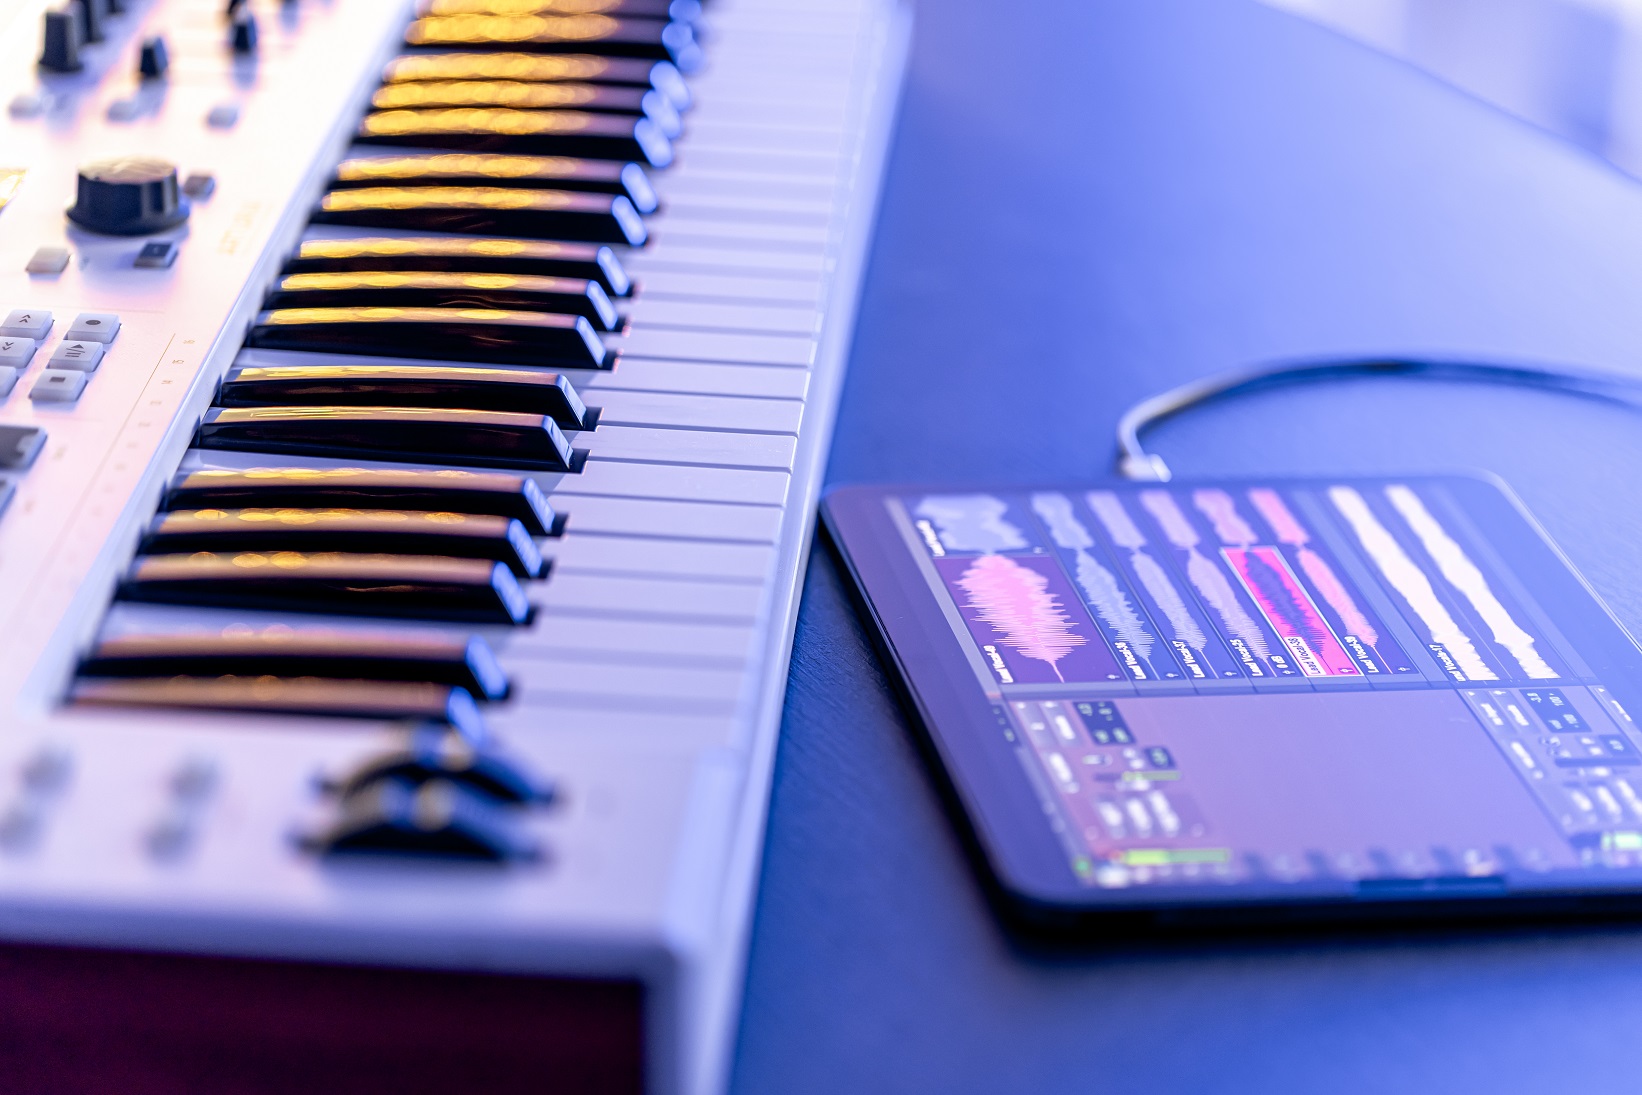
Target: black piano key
x=497, y=493
x=488, y=210
x=412, y=434
x=413, y=586
x=463, y=662
x=465, y=253
x=587, y=68
x=491, y=335
x=378, y=385
x=435, y=289
x=268, y=695
x=514, y=94
x=369, y=531
x=533, y=132
x=642, y=9
x=652, y=39
x=494, y=169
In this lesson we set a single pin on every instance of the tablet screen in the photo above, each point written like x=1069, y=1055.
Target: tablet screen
x=1338, y=684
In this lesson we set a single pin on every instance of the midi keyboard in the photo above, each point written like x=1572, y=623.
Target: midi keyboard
x=412, y=424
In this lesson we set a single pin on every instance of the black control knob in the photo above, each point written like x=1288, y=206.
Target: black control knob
x=154, y=59
x=242, y=35
x=92, y=14
x=63, y=39
x=129, y=196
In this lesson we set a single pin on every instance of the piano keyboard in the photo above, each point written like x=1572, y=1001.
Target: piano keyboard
x=408, y=580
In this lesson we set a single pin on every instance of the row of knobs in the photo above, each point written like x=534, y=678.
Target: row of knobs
x=69, y=28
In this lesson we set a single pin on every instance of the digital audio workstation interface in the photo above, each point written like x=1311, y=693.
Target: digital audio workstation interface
x=1280, y=682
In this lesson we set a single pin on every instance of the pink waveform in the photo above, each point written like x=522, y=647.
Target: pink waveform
x=1339, y=598
x=1290, y=531
x=1277, y=515
x=1221, y=511
x=1290, y=611
x=1015, y=600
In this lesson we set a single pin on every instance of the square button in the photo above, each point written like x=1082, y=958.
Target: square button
x=19, y=445
x=16, y=353
x=58, y=386
x=48, y=260
x=27, y=323
x=83, y=356
x=157, y=255
x=94, y=327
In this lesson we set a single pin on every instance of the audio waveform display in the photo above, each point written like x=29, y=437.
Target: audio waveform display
x=1129, y=634
x=1464, y=575
x=1030, y=626
x=1227, y=587
x=971, y=522
x=1291, y=612
x=1247, y=638
x=1452, y=645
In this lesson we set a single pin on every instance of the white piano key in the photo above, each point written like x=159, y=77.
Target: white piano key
x=796, y=165
x=651, y=374
x=759, y=191
x=687, y=257
x=789, y=350
x=591, y=637
x=651, y=597
x=680, y=482
x=670, y=519
x=759, y=209
x=699, y=412
x=579, y=554
x=713, y=449
x=647, y=312
x=669, y=729
x=550, y=680
x=752, y=235
x=672, y=285
x=774, y=138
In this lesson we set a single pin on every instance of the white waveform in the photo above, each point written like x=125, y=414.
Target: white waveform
x=1463, y=574
x=1410, y=581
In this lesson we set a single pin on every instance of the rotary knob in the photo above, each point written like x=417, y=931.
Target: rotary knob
x=129, y=196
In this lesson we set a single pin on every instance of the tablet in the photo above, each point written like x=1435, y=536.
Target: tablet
x=1252, y=699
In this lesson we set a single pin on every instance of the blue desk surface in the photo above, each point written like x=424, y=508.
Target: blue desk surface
x=1089, y=201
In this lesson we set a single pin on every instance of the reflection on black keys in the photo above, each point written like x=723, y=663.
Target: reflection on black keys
x=661, y=75
x=465, y=253
x=494, y=169
x=240, y=650
x=421, y=435
x=389, y=531
x=416, y=586
x=523, y=95
x=289, y=696
x=543, y=132
x=380, y=385
x=449, y=490
x=491, y=335
x=600, y=34
x=687, y=10
x=489, y=210
x=571, y=296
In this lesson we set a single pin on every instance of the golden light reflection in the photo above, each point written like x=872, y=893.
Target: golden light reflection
x=441, y=30
x=520, y=7
x=495, y=66
x=507, y=123
x=508, y=93
x=448, y=197
x=433, y=246
x=415, y=280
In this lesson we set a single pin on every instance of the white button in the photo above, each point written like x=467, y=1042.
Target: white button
x=222, y=116
x=31, y=323
x=48, y=260
x=16, y=353
x=83, y=356
x=94, y=327
x=58, y=386
x=8, y=379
